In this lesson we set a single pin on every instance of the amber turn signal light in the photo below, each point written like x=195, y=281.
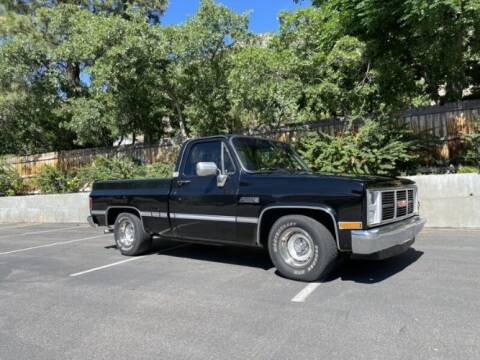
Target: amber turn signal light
x=350, y=225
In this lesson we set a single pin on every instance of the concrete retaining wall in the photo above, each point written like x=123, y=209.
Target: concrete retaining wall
x=57, y=208
x=450, y=200
x=445, y=200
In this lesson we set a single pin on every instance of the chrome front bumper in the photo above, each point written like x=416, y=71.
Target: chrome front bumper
x=365, y=242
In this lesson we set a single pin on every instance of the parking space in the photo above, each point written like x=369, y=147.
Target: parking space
x=66, y=292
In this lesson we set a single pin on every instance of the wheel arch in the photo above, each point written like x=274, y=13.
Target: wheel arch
x=323, y=214
x=112, y=213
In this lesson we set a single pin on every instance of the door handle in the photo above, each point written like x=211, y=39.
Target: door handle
x=183, y=182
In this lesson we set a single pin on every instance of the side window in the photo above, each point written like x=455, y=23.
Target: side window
x=228, y=166
x=209, y=151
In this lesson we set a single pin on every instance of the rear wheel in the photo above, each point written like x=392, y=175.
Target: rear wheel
x=301, y=248
x=130, y=237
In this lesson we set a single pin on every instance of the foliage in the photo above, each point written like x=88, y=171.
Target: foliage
x=472, y=155
x=103, y=168
x=468, y=170
x=472, y=146
x=378, y=148
x=121, y=167
x=158, y=170
x=11, y=183
x=51, y=180
x=417, y=47
x=263, y=89
x=151, y=9
x=196, y=78
x=336, y=76
x=82, y=73
x=75, y=75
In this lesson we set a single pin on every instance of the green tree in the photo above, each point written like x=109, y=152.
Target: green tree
x=417, y=47
x=264, y=90
x=150, y=9
x=124, y=96
x=195, y=81
x=45, y=104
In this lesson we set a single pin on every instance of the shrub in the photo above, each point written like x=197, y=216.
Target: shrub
x=159, y=170
x=104, y=168
x=378, y=148
x=11, y=183
x=472, y=154
x=57, y=180
x=51, y=180
x=468, y=169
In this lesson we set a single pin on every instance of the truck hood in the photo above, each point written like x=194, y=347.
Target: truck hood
x=369, y=181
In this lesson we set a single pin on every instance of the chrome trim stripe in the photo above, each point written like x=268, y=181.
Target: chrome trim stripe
x=392, y=188
x=240, y=219
x=203, y=217
x=164, y=215
x=154, y=214
x=247, y=220
x=329, y=212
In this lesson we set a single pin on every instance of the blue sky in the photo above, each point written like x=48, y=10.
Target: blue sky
x=263, y=16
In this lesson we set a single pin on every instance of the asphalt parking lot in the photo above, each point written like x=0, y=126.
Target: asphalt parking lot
x=67, y=293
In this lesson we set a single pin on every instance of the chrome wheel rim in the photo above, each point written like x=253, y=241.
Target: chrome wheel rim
x=126, y=234
x=296, y=246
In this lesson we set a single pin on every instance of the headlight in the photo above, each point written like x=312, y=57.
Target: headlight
x=374, y=210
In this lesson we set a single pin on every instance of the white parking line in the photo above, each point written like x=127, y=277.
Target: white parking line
x=50, y=244
x=305, y=292
x=123, y=261
x=43, y=231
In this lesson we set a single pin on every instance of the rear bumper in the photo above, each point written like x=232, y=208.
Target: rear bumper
x=398, y=236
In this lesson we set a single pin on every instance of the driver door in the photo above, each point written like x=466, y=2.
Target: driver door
x=201, y=209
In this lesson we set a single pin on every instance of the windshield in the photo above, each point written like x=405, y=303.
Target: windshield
x=267, y=155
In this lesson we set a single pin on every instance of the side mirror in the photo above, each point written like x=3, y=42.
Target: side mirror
x=211, y=169
x=207, y=169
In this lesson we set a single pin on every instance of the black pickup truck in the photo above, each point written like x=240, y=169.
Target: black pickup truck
x=246, y=191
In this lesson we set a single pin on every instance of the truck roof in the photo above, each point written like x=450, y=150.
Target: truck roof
x=229, y=136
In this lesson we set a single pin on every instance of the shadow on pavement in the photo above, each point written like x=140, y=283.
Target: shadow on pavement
x=250, y=257
x=361, y=271
x=374, y=271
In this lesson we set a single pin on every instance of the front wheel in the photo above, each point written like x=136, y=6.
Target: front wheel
x=130, y=237
x=301, y=248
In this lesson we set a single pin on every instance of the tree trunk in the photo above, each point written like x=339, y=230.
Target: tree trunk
x=181, y=121
x=73, y=71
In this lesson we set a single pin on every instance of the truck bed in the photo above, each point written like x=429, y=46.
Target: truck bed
x=147, y=196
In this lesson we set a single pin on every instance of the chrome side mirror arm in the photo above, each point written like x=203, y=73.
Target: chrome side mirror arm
x=221, y=179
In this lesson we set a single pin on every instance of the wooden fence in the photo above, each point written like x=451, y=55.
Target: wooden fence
x=442, y=127
x=440, y=130
x=30, y=165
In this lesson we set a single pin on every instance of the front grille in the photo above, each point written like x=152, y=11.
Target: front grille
x=397, y=204
x=388, y=205
x=411, y=201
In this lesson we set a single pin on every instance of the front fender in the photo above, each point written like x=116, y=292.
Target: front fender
x=317, y=207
